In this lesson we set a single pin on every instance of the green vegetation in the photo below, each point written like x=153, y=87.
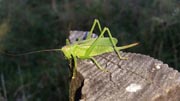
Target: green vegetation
x=28, y=25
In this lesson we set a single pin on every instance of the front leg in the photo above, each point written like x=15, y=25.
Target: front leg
x=75, y=66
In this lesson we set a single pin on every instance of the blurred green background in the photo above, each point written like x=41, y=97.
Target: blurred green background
x=28, y=25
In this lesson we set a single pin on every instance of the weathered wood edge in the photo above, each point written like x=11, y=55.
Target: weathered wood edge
x=158, y=81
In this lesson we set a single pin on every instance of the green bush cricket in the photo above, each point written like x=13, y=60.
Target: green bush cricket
x=86, y=49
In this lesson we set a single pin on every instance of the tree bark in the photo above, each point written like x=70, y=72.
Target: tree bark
x=140, y=78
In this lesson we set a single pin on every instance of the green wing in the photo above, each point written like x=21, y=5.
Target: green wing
x=100, y=42
x=104, y=49
x=101, y=49
x=103, y=45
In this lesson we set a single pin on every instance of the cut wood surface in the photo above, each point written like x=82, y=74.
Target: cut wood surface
x=140, y=78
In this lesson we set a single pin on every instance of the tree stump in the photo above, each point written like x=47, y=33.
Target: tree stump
x=140, y=78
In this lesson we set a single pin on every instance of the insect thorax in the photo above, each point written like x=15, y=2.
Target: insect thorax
x=67, y=51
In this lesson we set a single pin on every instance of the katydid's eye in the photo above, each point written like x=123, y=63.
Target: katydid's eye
x=77, y=39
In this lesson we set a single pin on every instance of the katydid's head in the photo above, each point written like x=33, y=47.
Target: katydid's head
x=66, y=51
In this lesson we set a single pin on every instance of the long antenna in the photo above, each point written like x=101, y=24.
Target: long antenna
x=27, y=53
